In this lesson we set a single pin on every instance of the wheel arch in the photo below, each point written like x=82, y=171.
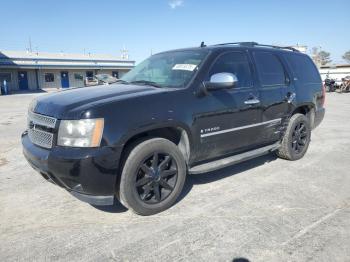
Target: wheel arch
x=307, y=109
x=176, y=133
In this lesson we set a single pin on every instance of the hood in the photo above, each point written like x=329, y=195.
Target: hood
x=74, y=101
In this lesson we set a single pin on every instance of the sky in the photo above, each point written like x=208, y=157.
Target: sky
x=150, y=26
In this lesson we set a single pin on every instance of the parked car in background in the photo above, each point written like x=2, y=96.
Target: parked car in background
x=345, y=86
x=185, y=111
x=90, y=81
x=100, y=79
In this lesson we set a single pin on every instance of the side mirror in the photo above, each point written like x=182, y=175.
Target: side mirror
x=221, y=81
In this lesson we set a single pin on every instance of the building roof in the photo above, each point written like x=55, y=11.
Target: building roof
x=38, y=60
x=336, y=66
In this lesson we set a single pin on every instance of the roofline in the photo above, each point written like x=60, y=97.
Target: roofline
x=239, y=45
x=67, y=59
x=63, y=67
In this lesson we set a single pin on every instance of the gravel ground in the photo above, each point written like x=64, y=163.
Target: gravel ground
x=266, y=209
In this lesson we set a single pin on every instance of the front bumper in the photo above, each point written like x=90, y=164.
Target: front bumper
x=90, y=174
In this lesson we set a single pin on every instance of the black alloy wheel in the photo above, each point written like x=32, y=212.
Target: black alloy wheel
x=296, y=138
x=153, y=176
x=299, y=137
x=156, y=178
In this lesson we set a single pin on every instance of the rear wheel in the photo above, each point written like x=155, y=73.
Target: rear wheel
x=152, y=177
x=296, y=138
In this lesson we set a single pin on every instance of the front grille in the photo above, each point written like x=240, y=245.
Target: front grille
x=39, y=129
x=40, y=138
x=42, y=120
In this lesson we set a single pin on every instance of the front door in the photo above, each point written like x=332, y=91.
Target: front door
x=64, y=79
x=22, y=80
x=228, y=119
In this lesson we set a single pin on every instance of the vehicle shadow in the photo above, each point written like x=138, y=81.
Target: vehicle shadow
x=117, y=207
x=204, y=178
x=240, y=259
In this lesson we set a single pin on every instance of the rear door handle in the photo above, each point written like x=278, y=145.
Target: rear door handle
x=252, y=101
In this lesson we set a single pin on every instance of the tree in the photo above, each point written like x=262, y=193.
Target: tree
x=346, y=56
x=324, y=57
x=320, y=57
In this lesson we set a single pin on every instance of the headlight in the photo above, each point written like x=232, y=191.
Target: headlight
x=80, y=133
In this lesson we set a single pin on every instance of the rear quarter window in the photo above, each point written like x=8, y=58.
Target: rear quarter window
x=304, y=69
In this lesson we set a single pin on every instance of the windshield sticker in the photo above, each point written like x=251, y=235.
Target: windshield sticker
x=187, y=67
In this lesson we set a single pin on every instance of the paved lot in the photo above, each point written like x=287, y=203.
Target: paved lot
x=266, y=209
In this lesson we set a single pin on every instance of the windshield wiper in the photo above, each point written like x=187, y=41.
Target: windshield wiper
x=145, y=82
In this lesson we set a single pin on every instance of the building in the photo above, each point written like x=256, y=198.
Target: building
x=24, y=70
x=300, y=48
x=336, y=72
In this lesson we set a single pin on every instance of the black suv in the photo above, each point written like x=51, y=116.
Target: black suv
x=184, y=111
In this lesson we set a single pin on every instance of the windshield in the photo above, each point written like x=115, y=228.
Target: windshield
x=170, y=69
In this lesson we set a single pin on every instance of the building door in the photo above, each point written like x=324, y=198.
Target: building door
x=64, y=79
x=22, y=80
x=89, y=74
x=115, y=74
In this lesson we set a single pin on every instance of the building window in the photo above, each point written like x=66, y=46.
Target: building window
x=115, y=74
x=78, y=76
x=89, y=74
x=49, y=77
x=5, y=77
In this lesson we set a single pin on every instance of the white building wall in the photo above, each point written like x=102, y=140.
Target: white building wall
x=32, y=84
x=13, y=84
x=73, y=80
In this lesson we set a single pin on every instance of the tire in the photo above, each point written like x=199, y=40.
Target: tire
x=294, y=145
x=151, y=184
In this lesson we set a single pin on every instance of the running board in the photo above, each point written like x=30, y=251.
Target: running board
x=221, y=163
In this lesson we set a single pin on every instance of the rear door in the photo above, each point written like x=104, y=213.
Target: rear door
x=274, y=91
x=228, y=119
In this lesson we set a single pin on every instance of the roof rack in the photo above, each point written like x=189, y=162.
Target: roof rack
x=253, y=44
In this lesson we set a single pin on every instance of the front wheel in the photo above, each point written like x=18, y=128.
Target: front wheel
x=296, y=139
x=153, y=176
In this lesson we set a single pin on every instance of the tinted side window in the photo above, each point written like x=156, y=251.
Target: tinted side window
x=270, y=69
x=235, y=63
x=303, y=68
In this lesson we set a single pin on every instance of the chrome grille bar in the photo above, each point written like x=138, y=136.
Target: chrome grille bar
x=42, y=120
x=36, y=124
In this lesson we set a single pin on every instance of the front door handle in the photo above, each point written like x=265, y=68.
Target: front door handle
x=252, y=101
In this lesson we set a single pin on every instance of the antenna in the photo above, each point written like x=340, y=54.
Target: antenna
x=30, y=44
x=124, y=53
